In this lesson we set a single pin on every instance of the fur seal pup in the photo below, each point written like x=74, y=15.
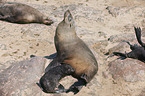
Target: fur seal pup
x=49, y=82
x=22, y=13
x=137, y=52
x=73, y=51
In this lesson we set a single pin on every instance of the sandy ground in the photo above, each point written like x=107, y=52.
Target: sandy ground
x=94, y=24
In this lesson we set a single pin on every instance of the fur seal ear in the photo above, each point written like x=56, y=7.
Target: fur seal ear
x=68, y=18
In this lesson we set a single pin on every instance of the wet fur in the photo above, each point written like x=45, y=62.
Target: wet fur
x=138, y=52
x=73, y=51
x=22, y=13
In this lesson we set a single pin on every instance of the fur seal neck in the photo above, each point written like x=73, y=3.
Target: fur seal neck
x=66, y=28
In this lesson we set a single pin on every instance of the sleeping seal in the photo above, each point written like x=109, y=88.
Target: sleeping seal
x=22, y=13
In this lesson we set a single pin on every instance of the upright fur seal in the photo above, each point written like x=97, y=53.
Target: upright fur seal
x=73, y=51
x=22, y=13
x=138, y=52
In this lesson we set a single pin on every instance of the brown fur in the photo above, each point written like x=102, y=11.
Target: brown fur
x=22, y=13
x=73, y=51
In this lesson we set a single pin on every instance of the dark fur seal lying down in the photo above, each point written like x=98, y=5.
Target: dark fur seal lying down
x=73, y=51
x=22, y=13
x=138, y=52
x=49, y=82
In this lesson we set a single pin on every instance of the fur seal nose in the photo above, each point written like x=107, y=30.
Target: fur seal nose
x=68, y=14
x=68, y=11
x=68, y=18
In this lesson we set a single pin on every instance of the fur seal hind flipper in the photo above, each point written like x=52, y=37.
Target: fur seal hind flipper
x=4, y=17
x=138, y=36
x=7, y=17
x=77, y=86
x=120, y=54
x=60, y=89
x=126, y=55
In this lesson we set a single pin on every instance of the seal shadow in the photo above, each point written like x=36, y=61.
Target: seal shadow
x=20, y=23
x=52, y=56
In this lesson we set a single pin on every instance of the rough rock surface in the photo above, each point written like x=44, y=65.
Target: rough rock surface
x=21, y=77
x=131, y=70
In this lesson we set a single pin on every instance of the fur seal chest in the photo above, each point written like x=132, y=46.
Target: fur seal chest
x=22, y=13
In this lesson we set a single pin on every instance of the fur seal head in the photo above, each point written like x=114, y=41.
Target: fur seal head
x=67, y=24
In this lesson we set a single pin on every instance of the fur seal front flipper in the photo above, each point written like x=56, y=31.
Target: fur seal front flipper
x=138, y=36
x=22, y=13
x=73, y=51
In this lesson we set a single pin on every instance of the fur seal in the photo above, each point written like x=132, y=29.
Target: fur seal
x=49, y=82
x=22, y=13
x=73, y=51
x=138, y=52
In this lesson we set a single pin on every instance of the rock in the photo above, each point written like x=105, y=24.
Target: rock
x=122, y=37
x=142, y=93
x=113, y=11
x=21, y=78
x=79, y=11
x=119, y=48
x=131, y=70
